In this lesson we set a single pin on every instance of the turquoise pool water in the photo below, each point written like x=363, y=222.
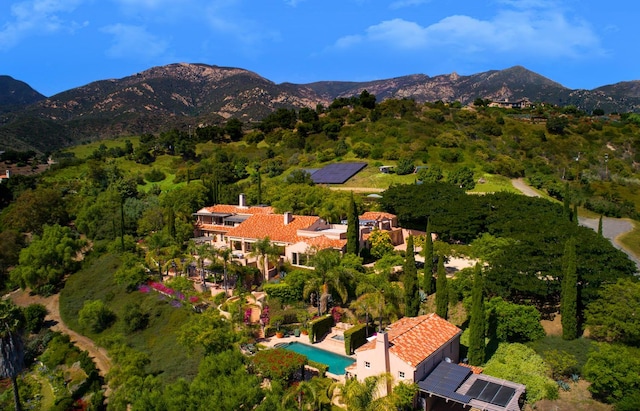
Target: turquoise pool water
x=336, y=363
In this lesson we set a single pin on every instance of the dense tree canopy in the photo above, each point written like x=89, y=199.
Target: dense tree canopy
x=614, y=316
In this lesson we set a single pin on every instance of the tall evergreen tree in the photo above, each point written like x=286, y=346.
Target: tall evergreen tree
x=569, y=292
x=566, y=205
x=574, y=215
x=410, y=281
x=442, y=290
x=353, y=228
x=477, y=323
x=600, y=225
x=427, y=282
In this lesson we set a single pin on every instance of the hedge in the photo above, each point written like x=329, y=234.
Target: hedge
x=354, y=337
x=319, y=327
x=282, y=291
x=322, y=368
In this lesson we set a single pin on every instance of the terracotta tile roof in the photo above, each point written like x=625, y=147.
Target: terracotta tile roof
x=376, y=215
x=234, y=209
x=413, y=339
x=214, y=227
x=272, y=225
x=322, y=242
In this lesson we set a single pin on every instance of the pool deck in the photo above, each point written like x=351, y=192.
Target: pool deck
x=327, y=343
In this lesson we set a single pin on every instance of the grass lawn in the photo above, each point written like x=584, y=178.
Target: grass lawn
x=158, y=340
x=85, y=150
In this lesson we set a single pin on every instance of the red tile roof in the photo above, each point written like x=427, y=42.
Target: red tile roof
x=413, y=339
x=234, y=209
x=322, y=242
x=259, y=226
x=376, y=215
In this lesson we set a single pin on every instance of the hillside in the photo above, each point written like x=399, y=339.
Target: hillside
x=182, y=95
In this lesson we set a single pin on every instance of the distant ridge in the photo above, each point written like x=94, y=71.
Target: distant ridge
x=181, y=94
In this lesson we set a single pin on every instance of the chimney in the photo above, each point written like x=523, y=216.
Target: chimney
x=382, y=352
x=242, y=201
x=288, y=217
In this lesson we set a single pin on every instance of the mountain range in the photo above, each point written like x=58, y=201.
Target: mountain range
x=182, y=95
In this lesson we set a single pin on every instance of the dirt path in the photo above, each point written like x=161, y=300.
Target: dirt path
x=98, y=354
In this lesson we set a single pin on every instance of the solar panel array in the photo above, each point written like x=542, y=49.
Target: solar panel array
x=491, y=392
x=337, y=173
x=445, y=379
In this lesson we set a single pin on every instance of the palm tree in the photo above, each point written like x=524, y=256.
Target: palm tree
x=366, y=395
x=203, y=251
x=331, y=276
x=264, y=249
x=304, y=393
x=11, y=346
x=225, y=255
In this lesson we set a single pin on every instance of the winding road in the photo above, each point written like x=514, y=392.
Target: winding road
x=612, y=228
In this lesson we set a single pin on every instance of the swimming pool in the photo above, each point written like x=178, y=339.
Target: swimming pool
x=336, y=363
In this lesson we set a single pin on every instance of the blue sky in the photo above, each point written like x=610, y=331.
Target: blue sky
x=55, y=45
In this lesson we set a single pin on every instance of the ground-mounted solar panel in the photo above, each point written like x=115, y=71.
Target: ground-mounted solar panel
x=337, y=173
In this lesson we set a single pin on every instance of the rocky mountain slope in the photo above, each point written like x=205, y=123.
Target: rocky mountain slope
x=183, y=94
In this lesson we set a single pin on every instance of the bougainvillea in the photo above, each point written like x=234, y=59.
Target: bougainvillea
x=278, y=364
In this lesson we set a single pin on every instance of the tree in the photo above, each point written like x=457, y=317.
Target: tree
x=10, y=244
x=600, y=225
x=380, y=243
x=431, y=174
x=366, y=395
x=569, y=292
x=521, y=364
x=462, y=177
x=427, y=283
x=208, y=331
x=11, y=346
x=613, y=317
x=477, y=321
x=511, y=322
x=353, y=227
x=614, y=373
x=442, y=290
x=225, y=255
x=95, y=316
x=405, y=166
x=47, y=259
x=410, y=282
x=264, y=250
x=34, y=209
x=203, y=251
x=34, y=315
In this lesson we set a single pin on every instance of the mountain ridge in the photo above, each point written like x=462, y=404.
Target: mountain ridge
x=180, y=94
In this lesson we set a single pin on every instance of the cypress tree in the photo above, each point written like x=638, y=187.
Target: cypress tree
x=566, y=206
x=600, y=225
x=259, y=187
x=442, y=292
x=410, y=281
x=575, y=214
x=476, y=323
x=427, y=282
x=569, y=292
x=353, y=228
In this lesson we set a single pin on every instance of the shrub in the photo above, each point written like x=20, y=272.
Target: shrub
x=278, y=363
x=34, y=317
x=282, y=291
x=319, y=327
x=95, y=316
x=155, y=175
x=354, y=337
x=134, y=318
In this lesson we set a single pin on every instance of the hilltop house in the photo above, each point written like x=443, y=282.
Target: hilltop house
x=425, y=350
x=238, y=227
x=6, y=176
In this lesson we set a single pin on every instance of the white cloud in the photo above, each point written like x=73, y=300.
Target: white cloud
x=37, y=17
x=528, y=27
x=134, y=41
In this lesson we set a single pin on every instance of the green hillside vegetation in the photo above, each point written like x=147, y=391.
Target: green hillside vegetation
x=127, y=207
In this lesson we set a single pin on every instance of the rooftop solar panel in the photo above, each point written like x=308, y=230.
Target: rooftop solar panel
x=337, y=173
x=491, y=392
x=503, y=396
x=445, y=379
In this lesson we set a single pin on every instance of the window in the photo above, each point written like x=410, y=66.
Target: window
x=367, y=364
x=401, y=375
